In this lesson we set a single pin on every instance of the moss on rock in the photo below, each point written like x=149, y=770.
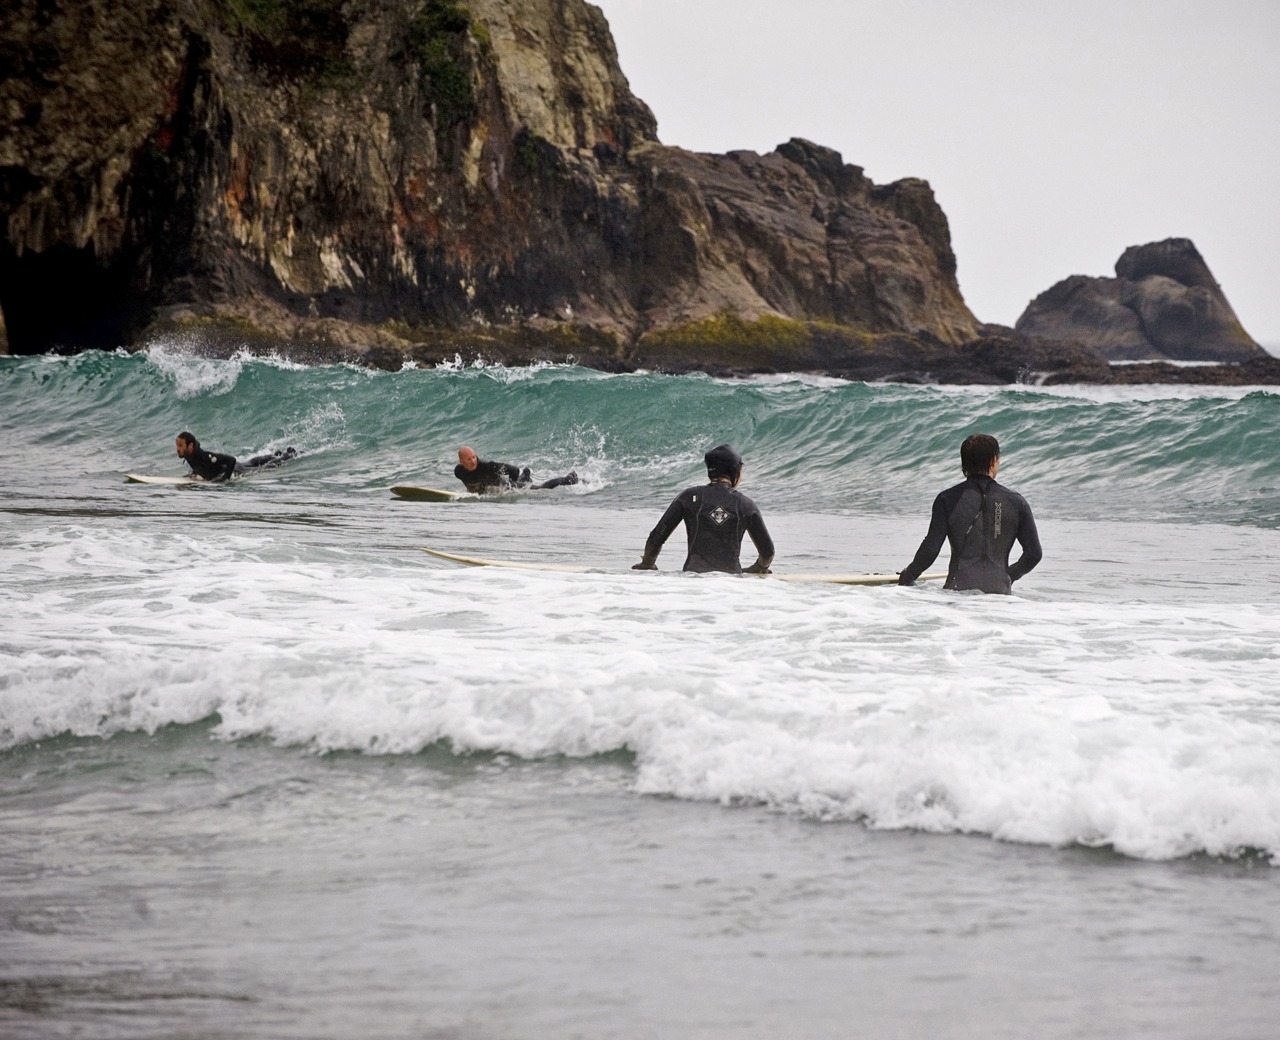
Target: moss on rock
x=726, y=340
x=436, y=39
x=305, y=40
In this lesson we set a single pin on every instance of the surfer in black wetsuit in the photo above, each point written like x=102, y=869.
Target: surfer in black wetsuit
x=482, y=477
x=207, y=465
x=982, y=520
x=213, y=466
x=716, y=516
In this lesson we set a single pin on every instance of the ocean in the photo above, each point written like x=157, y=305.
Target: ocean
x=268, y=770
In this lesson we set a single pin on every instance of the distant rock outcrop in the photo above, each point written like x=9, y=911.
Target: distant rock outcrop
x=413, y=178
x=1163, y=305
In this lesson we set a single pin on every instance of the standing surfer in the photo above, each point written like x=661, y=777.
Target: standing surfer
x=981, y=519
x=481, y=476
x=212, y=465
x=716, y=515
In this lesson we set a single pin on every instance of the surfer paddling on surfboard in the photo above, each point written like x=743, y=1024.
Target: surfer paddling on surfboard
x=483, y=477
x=982, y=520
x=211, y=465
x=716, y=515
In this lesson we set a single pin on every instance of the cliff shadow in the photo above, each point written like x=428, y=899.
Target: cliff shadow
x=63, y=300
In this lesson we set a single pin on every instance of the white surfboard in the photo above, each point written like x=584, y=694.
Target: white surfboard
x=425, y=494
x=577, y=568
x=142, y=478
x=855, y=579
x=518, y=565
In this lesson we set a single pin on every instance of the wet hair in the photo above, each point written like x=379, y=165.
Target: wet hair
x=977, y=453
x=188, y=438
x=723, y=461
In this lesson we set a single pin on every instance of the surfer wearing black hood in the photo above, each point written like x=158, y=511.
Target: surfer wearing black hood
x=716, y=515
x=213, y=466
x=982, y=520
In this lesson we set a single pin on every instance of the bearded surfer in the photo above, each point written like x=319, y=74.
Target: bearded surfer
x=215, y=466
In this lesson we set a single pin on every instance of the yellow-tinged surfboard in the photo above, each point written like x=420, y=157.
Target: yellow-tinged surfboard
x=577, y=568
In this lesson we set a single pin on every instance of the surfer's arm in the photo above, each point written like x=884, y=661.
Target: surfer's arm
x=763, y=543
x=1029, y=539
x=930, y=547
x=659, y=535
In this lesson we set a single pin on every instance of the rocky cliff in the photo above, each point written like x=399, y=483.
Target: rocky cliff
x=411, y=178
x=1163, y=304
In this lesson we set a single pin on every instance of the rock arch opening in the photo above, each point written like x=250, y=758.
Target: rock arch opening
x=62, y=300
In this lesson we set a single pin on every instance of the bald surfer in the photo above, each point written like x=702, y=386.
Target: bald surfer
x=484, y=477
x=716, y=515
x=981, y=519
x=215, y=466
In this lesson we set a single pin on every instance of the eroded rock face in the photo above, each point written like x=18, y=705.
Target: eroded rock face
x=796, y=233
x=1163, y=304
x=385, y=171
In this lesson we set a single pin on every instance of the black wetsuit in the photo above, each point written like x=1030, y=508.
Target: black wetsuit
x=270, y=460
x=491, y=476
x=210, y=465
x=715, y=516
x=981, y=519
x=500, y=476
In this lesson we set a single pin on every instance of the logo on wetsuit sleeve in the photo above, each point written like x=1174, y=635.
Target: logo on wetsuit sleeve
x=718, y=515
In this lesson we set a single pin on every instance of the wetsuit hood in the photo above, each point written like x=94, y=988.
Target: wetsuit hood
x=722, y=461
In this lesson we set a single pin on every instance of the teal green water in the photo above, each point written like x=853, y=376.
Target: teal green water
x=1194, y=455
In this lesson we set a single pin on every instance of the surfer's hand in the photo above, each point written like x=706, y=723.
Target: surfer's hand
x=644, y=565
x=759, y=567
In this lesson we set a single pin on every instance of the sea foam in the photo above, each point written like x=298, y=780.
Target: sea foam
x=1143, y=728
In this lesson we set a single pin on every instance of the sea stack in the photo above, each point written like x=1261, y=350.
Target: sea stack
x=1163, y=305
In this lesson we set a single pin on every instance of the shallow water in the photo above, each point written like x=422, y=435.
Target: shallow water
x=175, y=885
x=268, y=770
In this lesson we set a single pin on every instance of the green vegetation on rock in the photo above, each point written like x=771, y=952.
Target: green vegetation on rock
x=727, y=343
x=437, y=39
x=511, y=344
x=535, y=156
x=727, y=339
x=298, y=39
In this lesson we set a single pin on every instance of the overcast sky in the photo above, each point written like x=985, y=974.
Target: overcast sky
x=1055, y=134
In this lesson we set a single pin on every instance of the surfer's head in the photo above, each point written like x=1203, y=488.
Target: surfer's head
x=979, y=454
x=467, y=458
x=723, y=463
x=186, y=444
